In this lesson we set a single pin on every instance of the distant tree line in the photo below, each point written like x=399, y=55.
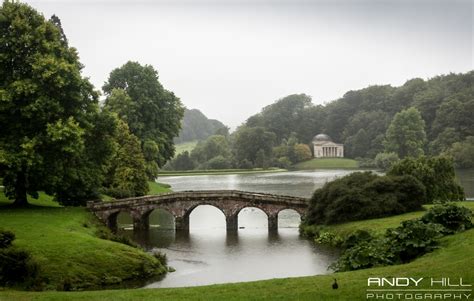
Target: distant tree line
x=429, y=117
x=378, y=125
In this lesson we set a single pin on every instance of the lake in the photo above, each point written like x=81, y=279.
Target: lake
x=210, y=255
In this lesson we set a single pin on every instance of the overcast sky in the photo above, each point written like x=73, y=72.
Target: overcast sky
x=231, y=58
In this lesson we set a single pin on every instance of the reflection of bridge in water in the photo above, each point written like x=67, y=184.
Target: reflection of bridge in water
x=181, y=204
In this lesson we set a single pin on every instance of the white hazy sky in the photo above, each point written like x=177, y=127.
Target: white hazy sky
x=231, y=58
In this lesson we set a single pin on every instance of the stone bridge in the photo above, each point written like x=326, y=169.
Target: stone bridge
x=181, y=204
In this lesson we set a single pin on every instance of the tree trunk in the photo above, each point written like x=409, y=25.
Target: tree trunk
x=20, y=191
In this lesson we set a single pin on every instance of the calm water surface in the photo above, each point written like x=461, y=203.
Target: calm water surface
x=209, y=255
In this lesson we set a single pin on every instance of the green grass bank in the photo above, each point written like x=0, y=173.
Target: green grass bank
x=65, y=243
x=326, y=163
x=454, y=259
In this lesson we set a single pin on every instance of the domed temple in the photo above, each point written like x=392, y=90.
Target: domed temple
x=323, y=147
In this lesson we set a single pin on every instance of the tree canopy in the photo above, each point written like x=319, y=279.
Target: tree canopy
x=152, y=113
x=47, y=111
x=406, y=134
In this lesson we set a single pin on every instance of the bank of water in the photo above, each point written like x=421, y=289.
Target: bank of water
x=209, y=255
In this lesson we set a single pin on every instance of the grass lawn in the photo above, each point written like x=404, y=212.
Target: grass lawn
x=455, y=259
x=327, y=163
x=63, y=242
x=186, y=146
x=158, y=188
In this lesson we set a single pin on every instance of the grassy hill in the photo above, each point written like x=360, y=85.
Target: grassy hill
x=185, y=146
x=327, y=163
x=453, y=260
x=65, y=242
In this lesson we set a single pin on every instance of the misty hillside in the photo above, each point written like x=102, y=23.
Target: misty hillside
x=196, y=126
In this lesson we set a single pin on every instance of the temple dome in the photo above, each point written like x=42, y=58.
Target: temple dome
x=322, y=137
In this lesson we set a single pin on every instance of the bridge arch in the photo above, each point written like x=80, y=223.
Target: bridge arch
x=194, y=210
x=259, y=211
x=158, y=213
x=285, y=214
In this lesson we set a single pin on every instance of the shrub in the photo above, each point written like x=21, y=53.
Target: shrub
x=365, y=254
x=355, y=238
x=412, y=239
x=218, y=162
x=6, y=238
x=329, y=238
x=160, y=256
x=385, y=161
x=16, y=266
x=453, y=218
x=435, y=173
x=364, y=195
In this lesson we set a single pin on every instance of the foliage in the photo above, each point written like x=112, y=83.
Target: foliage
x=212, y=147
x=16, y=266
x=399, y=245
x=406, y=134
x=247, y=142
x=364, y=195
x=406, y=242
x=463, y=153
x=152, y=113
x=47, y=111
x=183, y=162
x=196, y=126
x=356, y=237
x=329, y=239
x=435, y=173
x=413, y=239
x=285, y=116
x=453, y=218
x=6, y=238
x=365, y=254
x=218, y=162
x=361, y=118
x=385, y=161
x=127, y=174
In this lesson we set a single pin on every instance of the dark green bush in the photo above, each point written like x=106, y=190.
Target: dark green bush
x=365, y=254
x=356, y=237
x=412, y=239
x=453, y=218
x=435, y=173
x=364, y=195
x=16, y=266
x=6, y=238
x=161, y=257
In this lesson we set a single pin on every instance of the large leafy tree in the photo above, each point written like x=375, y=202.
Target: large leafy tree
x=406, y=134
x=153, y=113
x=127, y=173
x=252, y=141
x=47, y=110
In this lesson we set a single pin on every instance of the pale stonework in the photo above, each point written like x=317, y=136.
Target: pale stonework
x=323, y=147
